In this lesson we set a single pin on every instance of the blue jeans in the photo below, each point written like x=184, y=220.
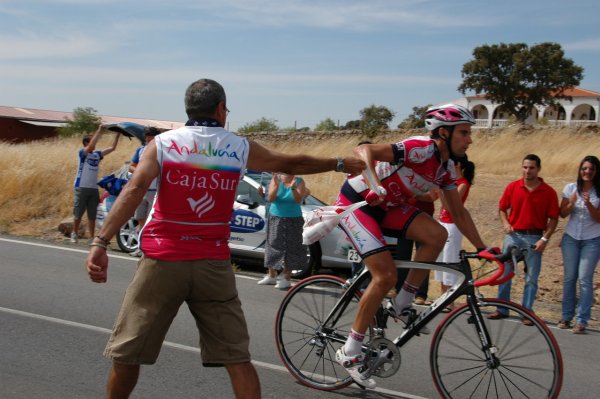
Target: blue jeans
x=534, y=265
x=580, y=258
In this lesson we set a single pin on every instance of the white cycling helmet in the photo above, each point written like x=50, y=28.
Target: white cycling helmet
x=447, y=115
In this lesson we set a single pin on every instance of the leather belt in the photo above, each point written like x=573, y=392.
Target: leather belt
x=531, y=232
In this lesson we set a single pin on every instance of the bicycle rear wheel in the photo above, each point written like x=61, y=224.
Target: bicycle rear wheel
x=526, y=360
x=305, y=345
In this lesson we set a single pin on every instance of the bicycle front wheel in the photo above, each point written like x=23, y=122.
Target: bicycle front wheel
x=307, y=347
x=524, y=361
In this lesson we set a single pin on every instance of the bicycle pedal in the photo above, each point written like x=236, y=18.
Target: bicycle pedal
x=390, y=313
x=407, y=316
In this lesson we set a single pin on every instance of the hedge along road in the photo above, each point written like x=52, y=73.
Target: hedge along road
x=54, y=324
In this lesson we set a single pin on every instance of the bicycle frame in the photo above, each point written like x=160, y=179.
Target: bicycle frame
x=460, y=287
x=464, y=285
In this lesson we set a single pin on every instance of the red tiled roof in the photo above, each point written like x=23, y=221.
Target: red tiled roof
x=574, y=92
x=30, y=114
x=579, y=92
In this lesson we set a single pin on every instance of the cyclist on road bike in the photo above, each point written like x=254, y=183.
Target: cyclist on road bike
x=395, y=174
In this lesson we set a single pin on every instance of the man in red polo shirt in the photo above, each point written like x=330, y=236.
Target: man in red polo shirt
x=529, y=214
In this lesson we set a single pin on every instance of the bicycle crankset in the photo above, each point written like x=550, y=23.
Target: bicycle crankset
x=384, y=358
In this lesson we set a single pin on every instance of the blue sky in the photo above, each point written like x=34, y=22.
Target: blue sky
x=294, y=61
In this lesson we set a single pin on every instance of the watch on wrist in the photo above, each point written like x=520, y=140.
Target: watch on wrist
x=544, y=239
x=339, y=167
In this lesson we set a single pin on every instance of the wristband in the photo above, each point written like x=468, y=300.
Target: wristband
x=97, y=244
x=104, y=240
x=544, y=239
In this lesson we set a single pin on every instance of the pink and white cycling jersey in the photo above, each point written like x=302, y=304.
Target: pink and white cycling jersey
x=200, y=168
x=416, y=169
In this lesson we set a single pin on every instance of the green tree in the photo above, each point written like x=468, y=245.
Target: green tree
x=84, y=121
x=326, y=125
x=519, y=77
x=261, y=125
x=352, y=125
x=416, y=119
x=374, y=119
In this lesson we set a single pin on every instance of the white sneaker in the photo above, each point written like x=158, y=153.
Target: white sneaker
x=74, y=237
x=407, y=316
x=137, y=253
x=283, y=284
x=354, y=365
x=267, y=280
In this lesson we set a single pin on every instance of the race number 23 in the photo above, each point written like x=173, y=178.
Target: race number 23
x=353, y=256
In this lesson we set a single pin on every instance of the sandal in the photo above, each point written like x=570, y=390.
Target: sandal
x=564, y=324
x=449, y=308
x=419, y=301
x=579, y=329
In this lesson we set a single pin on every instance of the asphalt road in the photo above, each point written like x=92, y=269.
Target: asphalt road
x=54, y=324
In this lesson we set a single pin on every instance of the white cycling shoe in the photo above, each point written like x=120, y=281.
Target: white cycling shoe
x=407, y=316
x=355, y=366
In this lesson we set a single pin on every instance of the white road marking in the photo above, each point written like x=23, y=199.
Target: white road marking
x=173, y=345
x=81, y=251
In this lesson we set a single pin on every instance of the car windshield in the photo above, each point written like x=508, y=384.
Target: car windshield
x=264, y=178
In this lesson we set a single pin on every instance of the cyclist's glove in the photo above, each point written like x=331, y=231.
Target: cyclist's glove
x=373, y=196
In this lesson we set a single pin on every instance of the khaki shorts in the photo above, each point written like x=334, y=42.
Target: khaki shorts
x=155, y=295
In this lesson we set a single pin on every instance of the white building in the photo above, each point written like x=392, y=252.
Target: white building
x=583, y=109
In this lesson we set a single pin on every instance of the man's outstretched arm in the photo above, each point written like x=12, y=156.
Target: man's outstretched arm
x=264, y=159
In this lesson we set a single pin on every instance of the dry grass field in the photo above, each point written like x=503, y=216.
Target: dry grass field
x=36, y=183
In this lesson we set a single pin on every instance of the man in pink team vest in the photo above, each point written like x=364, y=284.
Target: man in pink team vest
x=185, y=241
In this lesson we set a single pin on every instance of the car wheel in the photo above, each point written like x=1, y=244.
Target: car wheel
x=313, y=262
x=127, y=239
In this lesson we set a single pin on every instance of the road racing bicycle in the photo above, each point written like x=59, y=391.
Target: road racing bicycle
x=470, y=356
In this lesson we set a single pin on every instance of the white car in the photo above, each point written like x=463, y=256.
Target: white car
x=249, y=230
